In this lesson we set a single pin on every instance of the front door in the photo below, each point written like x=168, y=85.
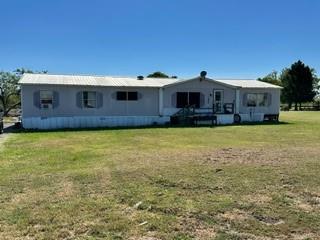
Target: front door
x=218, y=101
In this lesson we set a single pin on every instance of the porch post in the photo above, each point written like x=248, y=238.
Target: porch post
x=237, y=106
x=160, y=101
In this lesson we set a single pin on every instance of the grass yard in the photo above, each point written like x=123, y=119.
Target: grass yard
x=227, y=182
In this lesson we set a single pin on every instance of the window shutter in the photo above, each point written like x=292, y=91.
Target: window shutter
x=139, y=95
x=99, y=100
x=79, y=99
x=245, y=98
x=114, y=95
x=174, y=100
x=36, y=99
x=55, y=103
x=269, y=98
x=202, y=99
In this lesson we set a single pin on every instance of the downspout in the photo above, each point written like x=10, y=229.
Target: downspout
x=21, y=103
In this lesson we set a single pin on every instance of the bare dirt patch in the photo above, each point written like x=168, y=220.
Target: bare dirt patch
x=304, y=206
x=196, y=229
x=259, y=199
x=247, y=236
x=304, y=236
x=268, y=220
x=304, y=201
x=311, y=200
x=234, y=215
x=257, y=156
x=27, y=196
x=144, y=238
x=268, y=156
x=66, y=189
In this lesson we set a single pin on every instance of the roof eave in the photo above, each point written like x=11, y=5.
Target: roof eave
x=198, y=78
x=84, y=85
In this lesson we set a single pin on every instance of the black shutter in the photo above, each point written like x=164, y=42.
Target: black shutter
x=99, y=100
x=269, y=99
x=56, y=99
x=245, y=98
x=174, y=100
x=79, y=99
x=36, y=99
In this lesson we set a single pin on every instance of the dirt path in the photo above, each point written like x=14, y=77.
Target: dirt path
x=6, y=133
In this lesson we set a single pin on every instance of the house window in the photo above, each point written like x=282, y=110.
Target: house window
x=188, y=99
x=194, y=99
x=46, y=99
x=121, y=96
x=132, y=96
x=257, y=99
x=182, y=99
x=89, y=99
x=127, y=96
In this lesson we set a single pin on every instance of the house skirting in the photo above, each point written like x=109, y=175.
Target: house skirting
x=226, y=119
x=91, y=122
x=119, y=121
x=223, y=119
x=252, y=117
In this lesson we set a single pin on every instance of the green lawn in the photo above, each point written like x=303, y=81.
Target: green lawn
x=227, y=182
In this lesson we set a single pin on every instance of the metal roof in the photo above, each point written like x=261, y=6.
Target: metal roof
x=82, y=80
x=73, y=80
x=247, y=83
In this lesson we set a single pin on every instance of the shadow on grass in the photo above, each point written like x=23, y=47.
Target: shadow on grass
x=14, y=129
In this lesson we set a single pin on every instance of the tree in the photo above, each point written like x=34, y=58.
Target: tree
x=299, y=84
x=287, y=92
x=9, y=91
x=272, y=78
x=158, y=75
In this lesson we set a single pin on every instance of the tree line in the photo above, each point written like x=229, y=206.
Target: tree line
x=300, y=84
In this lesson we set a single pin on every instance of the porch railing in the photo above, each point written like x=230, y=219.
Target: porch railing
x=192, y=115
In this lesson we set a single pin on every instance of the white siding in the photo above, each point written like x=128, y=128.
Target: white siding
x=204, y=86
x=148, y=105
x=274, y=108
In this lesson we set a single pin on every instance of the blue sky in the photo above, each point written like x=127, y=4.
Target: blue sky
x=227, y=38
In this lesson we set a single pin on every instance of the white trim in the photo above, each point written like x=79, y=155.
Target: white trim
x=222, y=98
x=21, y=102
x=198, y=78
x=82, y=99
x=50, y=105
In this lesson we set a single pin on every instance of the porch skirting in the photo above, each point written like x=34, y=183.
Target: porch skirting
x=91, y=121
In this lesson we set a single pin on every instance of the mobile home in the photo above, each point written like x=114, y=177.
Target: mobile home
x=69, y=101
